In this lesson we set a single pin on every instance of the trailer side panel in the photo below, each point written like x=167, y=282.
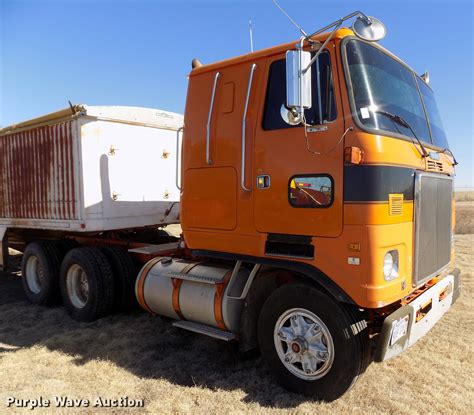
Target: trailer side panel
x=37, y=175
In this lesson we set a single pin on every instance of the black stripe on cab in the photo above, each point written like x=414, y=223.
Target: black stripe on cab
x=365, y=183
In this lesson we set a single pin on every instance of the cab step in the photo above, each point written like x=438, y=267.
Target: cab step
x=203, y=329
x=156, y=249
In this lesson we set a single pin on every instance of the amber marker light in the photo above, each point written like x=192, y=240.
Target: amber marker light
x=353, y=155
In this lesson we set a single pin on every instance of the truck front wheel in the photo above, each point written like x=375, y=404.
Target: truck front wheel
x=314, y=345
x=87, y=285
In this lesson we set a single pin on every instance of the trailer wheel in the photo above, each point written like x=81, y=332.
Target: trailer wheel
x=87, y=285
x=310, y=342
x=40, y=272
x=124, y=275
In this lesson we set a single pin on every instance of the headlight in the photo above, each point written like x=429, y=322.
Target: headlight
x=390, y=265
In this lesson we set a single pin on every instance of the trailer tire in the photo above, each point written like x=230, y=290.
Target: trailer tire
x=124, y=276
x=40, y=268
x=314, y=345
x=66, y=245
x=87, y=285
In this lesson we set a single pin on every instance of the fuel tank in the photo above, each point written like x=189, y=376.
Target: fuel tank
x=204, y=293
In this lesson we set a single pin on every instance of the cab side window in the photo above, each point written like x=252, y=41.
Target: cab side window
x=311, y=191
x=319, y=113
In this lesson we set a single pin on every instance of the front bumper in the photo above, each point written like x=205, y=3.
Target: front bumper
x=421, y=315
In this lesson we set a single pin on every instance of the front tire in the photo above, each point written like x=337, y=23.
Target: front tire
x=87, y=285
x=310, y=342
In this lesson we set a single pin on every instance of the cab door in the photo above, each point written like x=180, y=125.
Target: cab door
x=299, y=175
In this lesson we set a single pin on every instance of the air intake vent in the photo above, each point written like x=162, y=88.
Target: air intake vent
x=395, y=204
x=436, y=166
x=292, y=246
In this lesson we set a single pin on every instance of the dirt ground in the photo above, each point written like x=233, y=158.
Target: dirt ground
x=43, y=353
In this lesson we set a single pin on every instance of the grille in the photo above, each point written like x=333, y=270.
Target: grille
x=434, y=166
x=433, y=215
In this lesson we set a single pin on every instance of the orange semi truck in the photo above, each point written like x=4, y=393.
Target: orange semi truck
x=316, y=206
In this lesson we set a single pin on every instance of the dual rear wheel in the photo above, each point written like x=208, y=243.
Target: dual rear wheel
x=40, y=272
x=91, y=282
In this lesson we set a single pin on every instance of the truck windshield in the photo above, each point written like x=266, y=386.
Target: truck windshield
x=380, y=83
x=437, y=131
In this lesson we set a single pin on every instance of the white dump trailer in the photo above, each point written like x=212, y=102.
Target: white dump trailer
x=90, y=169
x=81, y=187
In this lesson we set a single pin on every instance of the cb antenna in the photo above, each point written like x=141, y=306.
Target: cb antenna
x=290, y=19
x=251, y=35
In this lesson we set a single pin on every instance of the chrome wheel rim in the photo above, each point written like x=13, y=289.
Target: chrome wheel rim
x=34, y=274
x=77, y=286
x=304, y=344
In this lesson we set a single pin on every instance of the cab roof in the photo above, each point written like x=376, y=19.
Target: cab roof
x=341, y=33
x=274, y=50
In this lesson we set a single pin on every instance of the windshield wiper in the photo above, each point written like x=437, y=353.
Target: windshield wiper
x=447, y=150
x=398, y=119
x=404, y=123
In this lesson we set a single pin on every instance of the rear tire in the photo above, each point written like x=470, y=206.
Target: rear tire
x=66, y=245
x=124, y=275
x=40, y=267
x=314, y=345
x=87, y=285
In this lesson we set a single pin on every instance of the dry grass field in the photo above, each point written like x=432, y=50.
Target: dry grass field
x=44, y=353
x=464, y=217
x=464, y=212
x=465, y=196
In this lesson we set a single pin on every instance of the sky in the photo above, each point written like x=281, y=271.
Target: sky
x=139, y=53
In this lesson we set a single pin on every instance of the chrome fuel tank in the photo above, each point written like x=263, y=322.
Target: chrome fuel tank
x=194, y=291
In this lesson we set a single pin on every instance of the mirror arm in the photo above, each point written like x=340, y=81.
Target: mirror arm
x=314, y=59
x=300, y=86
x=316, y=56
x=339, y=22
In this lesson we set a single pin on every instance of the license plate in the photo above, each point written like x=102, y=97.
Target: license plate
x=399, y=329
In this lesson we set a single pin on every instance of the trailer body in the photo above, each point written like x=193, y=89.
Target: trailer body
x=89, y=169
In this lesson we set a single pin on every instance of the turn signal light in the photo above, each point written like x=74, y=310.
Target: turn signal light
x=353, y=155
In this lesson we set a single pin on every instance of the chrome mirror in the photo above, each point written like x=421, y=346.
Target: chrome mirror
x=290, y=116
x=368, y=28
x=426, y=77
x=298, y=80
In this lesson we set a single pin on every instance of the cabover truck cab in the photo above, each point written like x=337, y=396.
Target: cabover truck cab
x=317, y=200
x=316, y=206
